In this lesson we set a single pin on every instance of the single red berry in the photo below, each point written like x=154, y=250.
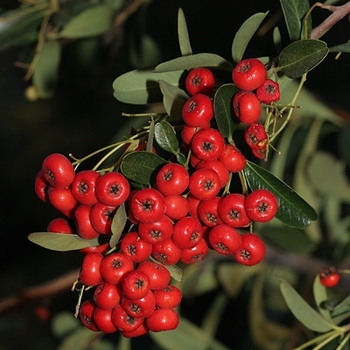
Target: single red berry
x=268, y=92
x=114, y=266
x=162, y=320
x=147, y=205
x=220, y=169
x=107, y=295
x=90, y=274
x=193, y=203
x=232, y=212
x=156, y=231
x=208, y=212
x=196, y=253
x=246, y=107
x=83, y=222
x=41, y=186
x=207, y=144
x=58, y=170
x=112, y=189
x=138, y=332
x=103, y=320
x=256, y=136
x=172, y=179
x=60, y=225
x=198, y=111
x=329, y=277
x=187, y=232
x=188, y=132
x=102, y=249
x=158, y=275
x=123, y=322
x=261, y=205
x=135, y=285
x=142, y=307
x=224, y=239
x=101, y=217
x=166, y=252
x=259, y=153
x=62, y=199
x=232, y=159
x=83, y=187
x=249, y=74
x=168, y=297
x=176, y=207
x=86, y=313
x=133, y=246
x=204, y=183
x=252, y=250
x=200, y=81
x=194, y=160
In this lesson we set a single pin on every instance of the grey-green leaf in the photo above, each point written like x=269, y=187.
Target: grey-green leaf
x=244, y=34
x=165, y=136
x=118, y=224
x=61, y=241
x=293, y=210
x=194, y=61
x=140, y=166
x=223, y=110
x=46, y=70
x=301, y=56
x=93, y=21
x=184, y=40
x=309, y=317
x=142, y=86
x=173, y=99
x=340, y=48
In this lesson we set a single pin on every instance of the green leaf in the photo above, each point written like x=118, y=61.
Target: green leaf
x=244, y=34
x=293, y=210
x=320, y=296
x=166, y=137
x=64, y=323
x=173, y=99
x=184, y=40
x=223, y=111
x=46, y=70
x=140, y=166
x=294, y=11
x=309, y=317
x=175, y=272
x=118, y=224
x=340, y=48
x=301, y=56
x=93, y=21
x=81, y=339
x=16, y=24
x=181, y=158
x=142, y=86
x=61, y=241
x=194, y=61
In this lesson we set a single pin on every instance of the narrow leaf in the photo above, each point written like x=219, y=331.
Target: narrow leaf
x=142, y=86
x=173, y=99
x=93, y=21
x=166, y=137
x=244, y=34
x=309, y=317
x=194, y=61
x=61, y=241
x=184, y=40
x=294, y=11
x=175, y=272
x=140, y=166
x=320, y=296
x=118, y=224
x=293, y=210
x=301, y=56
x=46, y=70
x=224, y=114
x=341, y=48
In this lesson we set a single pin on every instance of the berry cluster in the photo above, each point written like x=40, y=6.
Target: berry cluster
x=187, y=210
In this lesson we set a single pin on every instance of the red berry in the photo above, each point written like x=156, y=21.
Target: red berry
x=268, y=92
x=246, y=107
x=83, y=187
x=112, y=189
x=200, y=81
x=58, y=170
x=166, y=252
x=176, y=207
x=207, y=144
x=232, y=159
x=256, y=136
x=252, y=250
x=83, y=222
x=261, y=205
x=220, y=169
x=103, y=320
x=141, y=330
x=60, y=225
x=123, y=322
x=62, y=199
x=86, y=313
x=172, y=179
x=158, y=275
x=133, y=246
x=196, y=253
x=224, y=239
x=329, y=277
x=102, y=249
x=249, y=74
x=41, y=186
x=198, y=111
x=90, y=274
x=115, y=266
x=142, y=307
x=157, y=231
x=135, y=285
x=168, y=297
x=208, y=212
x=101, y=217
x=162, y=320
x=204, y=183
x=107, y=295
x=187, y=232
x=188, y=132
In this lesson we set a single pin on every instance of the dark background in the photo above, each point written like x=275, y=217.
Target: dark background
x=84, y=116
